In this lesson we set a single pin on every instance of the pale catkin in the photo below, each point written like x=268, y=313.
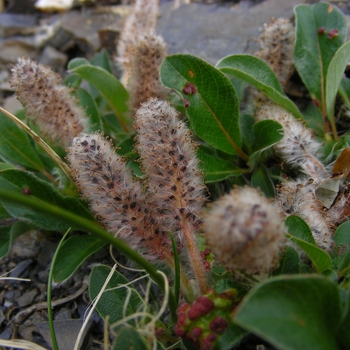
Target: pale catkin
x=115, y=196
x=168, y=158
x=299, y=198
x=298, y=147
x=48, y=103
x=245, y=231
x=277, y=48
x=144, y=80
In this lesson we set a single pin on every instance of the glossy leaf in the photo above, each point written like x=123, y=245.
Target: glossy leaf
x=314, y=49
x=24, y=182
x=109, y=86
x=213, y=105
x=298, y=228
x=112, y=302
x=298, y=312
x=215, y=168
x=335, y=75
x=91, y=110
x=74, y=251
x=320, y=259
x=258, y=73
x=16, y=146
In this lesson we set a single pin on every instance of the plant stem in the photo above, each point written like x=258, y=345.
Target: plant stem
x=92, y=227
x=195, y=258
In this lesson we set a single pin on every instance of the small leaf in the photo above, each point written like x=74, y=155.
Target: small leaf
x=16, y=147
x=91, y=110
x=256, y=72
x=28, y=184
x=112, y=302
x=320, y=259
x=342, y=234
x=297, y=227
x=109, y=86
x=128, y=338
x=334, y=77
x=314, y=49
x=101, y=59
x=215, y=168
x=267, y=133
x=298, y=312
x=213, y=105
x=261, y=179
x=289, y=264
x=74, y=251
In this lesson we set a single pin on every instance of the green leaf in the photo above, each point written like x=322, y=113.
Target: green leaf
x=110, y=87
x=267, y=133
x=290, y=262
x=298, y=228
x=74, y=251
x=246, y=124
x=342, y=234
x=215, y=168
x=214, y=107
x=314, y=50
x=8, y=234
x=113, y=300
x=343, y=335
x=298, y=312
x=101, y=59
x=256, y=72
x=232, y=335
x=261, y=179
x=129, y=338
x=320, y=259
x=91, y=110
x=334, y=77
x=18, y=180
x=16, y=146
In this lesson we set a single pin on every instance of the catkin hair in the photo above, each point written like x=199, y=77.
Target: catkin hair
x=48, y=103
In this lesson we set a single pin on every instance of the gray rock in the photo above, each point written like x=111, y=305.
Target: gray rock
x=21, y=270
x=54, y=59
x=13, y=24
x=27, y=298
x=215, y=31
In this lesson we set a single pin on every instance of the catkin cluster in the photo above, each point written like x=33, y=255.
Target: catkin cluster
x=48, y=103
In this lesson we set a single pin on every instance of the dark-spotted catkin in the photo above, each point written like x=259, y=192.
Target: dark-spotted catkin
x=115, y=196
x=48, y=103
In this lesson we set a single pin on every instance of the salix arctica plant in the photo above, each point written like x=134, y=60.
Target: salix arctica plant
x=267, y=239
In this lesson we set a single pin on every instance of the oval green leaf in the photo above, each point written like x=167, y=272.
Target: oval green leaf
x=129, y=338
x=261, y=179
x=342, y=234
x=73, y=252
x=293, y=313
x=16, y=146
x=256, y=72
x=313, y=47
x=213, y=105
x=298, y=228
x=335, y=75
x=112, y=302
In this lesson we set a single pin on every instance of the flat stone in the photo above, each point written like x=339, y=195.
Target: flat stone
x=53, y=58
x=11, y=49
x=215, y=31
x=66, y=332
x=13, y=24
x=21, y=270
x=27, y=298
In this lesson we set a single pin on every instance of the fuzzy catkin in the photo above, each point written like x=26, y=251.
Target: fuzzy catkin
x=48, y=103
x=115, y=196
x=298, y=148
x=299, y=198
x=244, y=231
x=168, y=158
x=144, y=81
x=277, y=48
